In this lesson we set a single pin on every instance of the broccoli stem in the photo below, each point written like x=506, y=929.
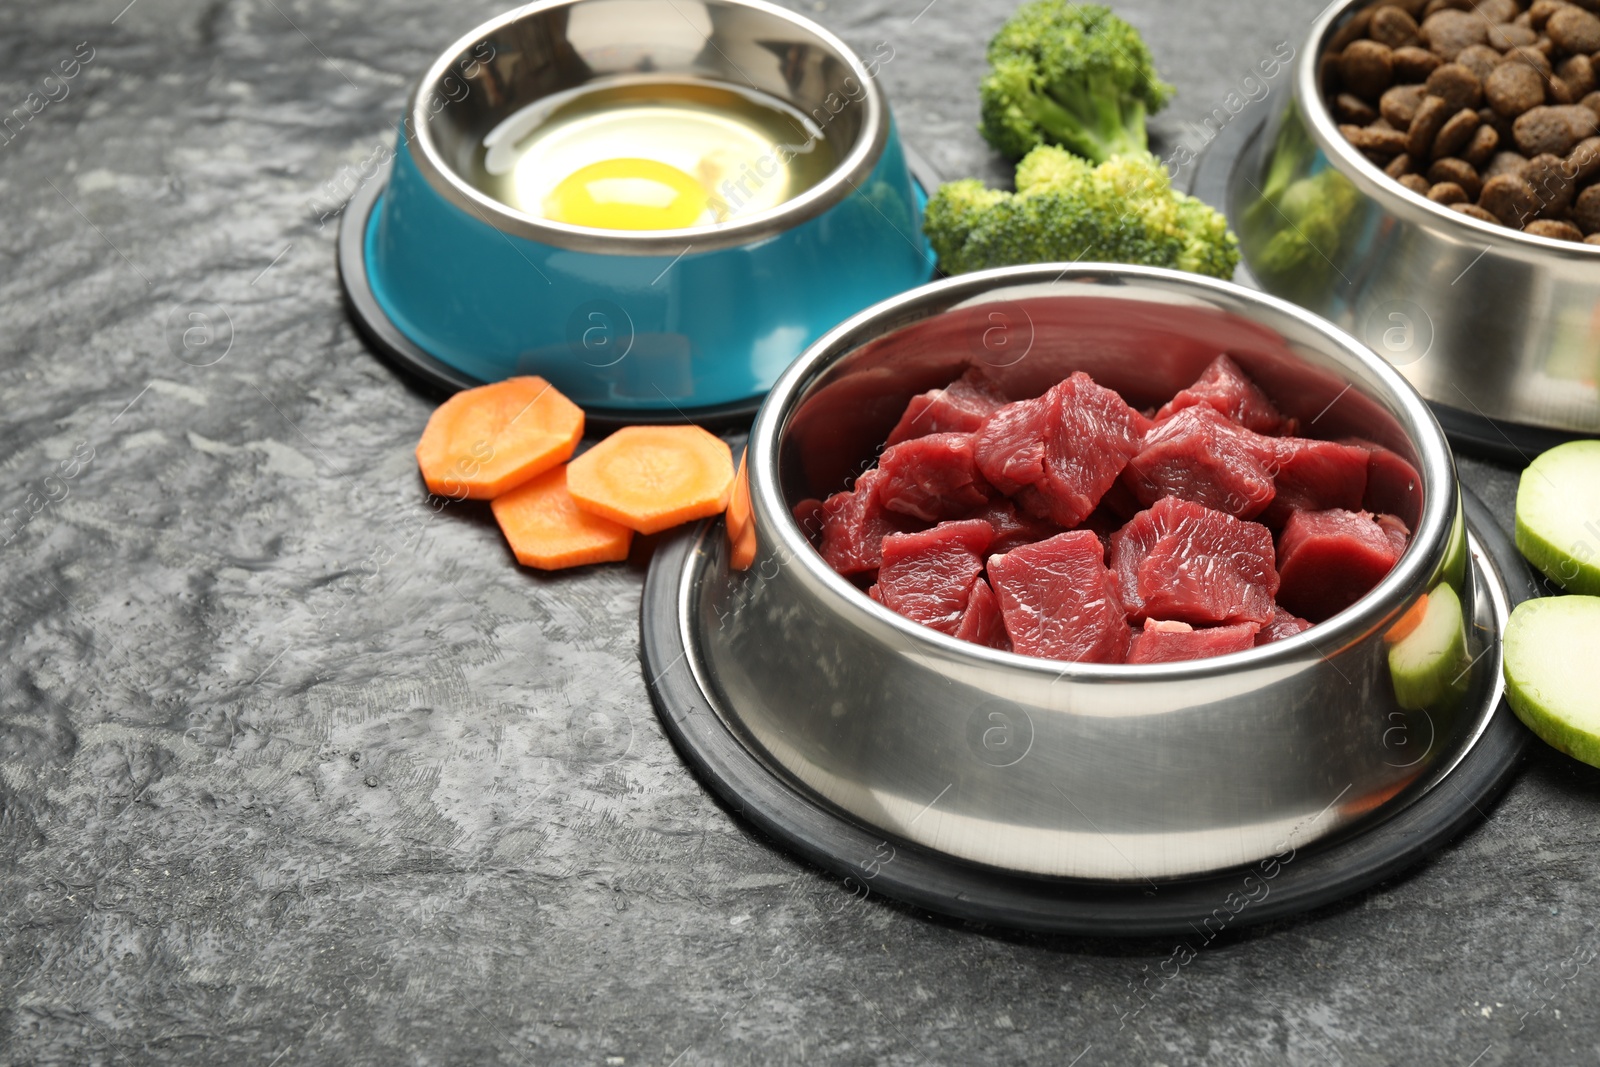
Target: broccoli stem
x=1091, y=118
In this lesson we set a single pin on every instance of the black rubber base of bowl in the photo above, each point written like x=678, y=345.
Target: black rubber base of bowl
x=436, y=376
x=1471, y=432
x=805, y=824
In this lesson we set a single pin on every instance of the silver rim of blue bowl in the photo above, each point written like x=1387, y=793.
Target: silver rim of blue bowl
x=840, y=183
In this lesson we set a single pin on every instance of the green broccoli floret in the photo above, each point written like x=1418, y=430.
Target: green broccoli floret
x=1066, y=210
x=1073, y=75
x=1208, y=246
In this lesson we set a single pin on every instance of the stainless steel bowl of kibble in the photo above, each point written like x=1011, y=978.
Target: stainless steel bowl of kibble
x=1092, y=572
x=1430, y=185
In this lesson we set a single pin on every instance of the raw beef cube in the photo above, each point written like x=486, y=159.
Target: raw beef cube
x=1398, y=533
x=1132, y=543
x=1183, y=561
x=982, y=623
x=934, y=477
x=1393, y=485
x=1315, y=475
x=1226, y=389
x=1059, y=453
x=1009, y=447
x=1090, y=440
x=1060, y=602
x=1165, y=642
x=854, y=524
x=928, y=576
x=1013, y=529
x=1198, y=455
x=809, y=515
x=1282, y=625
x=1327, y=560
x=959, y=407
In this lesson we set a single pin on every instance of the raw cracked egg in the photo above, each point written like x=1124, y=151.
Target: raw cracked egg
x=653, y=155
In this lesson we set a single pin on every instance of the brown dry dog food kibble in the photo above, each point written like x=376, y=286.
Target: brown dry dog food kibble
x=1591, y=101
x=1458, y=171
x=1513, y=88
x=1457, y=86
x=1554, y=129
x=1412, y=64
x=1505, y=163
x=1574, y=30
x=1534, y=57
x=1455, y=133
x=1509, y=199
x=1498, y=122
x=1425, y=126
x=1578, y=73
x=1416, y=183
x=1400, y=166
x=1495, y=11
x=1353, y=110
x=1505, y=37
x=1552, y=184
x=1328, y=70
x=1393, y=26
x=1583, y=162
x=1367, y=68
x=1475, y=212
x=1447, y=32
x=1448, y=193
x=1480, y=149
x=1353, y=30
x=1540, y=11
x=1399, y=105
x=1586, y=210
x=1372, y=139
x=1562, y=231
x=1480, y=59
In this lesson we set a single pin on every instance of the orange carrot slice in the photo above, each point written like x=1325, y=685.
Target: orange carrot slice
x=738, y=515
x=742, y=553
x=482, y=442
x=651, y=477
x=1408, y=622
x=741, y=531
x=547, y=530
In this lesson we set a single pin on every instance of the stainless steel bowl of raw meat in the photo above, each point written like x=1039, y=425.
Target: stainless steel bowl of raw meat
x=1017, y=753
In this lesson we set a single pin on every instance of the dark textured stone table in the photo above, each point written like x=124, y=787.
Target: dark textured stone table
x=295, y=770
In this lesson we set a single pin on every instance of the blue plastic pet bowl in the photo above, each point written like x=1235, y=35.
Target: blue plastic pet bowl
x=645, y=325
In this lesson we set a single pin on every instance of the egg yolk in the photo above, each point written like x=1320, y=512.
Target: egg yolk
x=627, y=194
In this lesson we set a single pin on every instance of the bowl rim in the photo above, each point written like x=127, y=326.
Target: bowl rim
x=1349, y=627
x=1394, y=197
x=844, y=179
